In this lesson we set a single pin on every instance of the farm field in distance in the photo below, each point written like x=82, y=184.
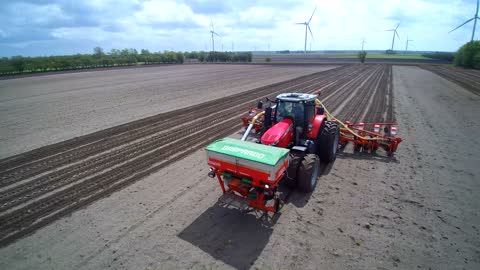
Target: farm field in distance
x=124, y=184
x=344, y=58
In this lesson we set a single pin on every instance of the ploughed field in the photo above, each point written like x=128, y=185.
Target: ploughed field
x=41, y=110
x=417, y=210
x=341, y=58
x=42, y=185
x=467, y=78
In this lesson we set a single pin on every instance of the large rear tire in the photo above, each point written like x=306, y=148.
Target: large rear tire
x=308, y=173
x=292, y=170
x=328, y=142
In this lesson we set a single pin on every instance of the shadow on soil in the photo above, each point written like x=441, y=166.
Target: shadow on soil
x=234, y=237
x=237, y=238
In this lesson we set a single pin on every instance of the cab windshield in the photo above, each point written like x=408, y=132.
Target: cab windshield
x=292, y=110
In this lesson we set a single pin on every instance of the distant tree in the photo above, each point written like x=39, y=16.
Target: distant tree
x=170, y=57
x=128, y=56
x=362, y=55
x=201, y=56
x=468, y=55
x=18, y=63
x=448, y=56
x=179, y=57
x=98, y=52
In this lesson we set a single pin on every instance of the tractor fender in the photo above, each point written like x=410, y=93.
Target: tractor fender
x=317, y=123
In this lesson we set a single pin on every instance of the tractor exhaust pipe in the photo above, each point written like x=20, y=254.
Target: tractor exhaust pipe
x=267, y=118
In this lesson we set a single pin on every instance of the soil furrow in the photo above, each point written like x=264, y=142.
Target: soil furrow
x=469, y=79
x=33, y=162
x=22, y=193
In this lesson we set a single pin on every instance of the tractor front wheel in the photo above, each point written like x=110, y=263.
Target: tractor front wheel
x=308, y=173
x=292, y=170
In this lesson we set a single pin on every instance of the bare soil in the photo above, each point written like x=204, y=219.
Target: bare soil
x=42, y=110
x=42, y=185
x=418, y=210
x=467, y=78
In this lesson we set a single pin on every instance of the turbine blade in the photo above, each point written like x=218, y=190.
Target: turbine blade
x=462, y=24
x=216, y=34
x=397, y=26
x=312, y=14
x=397, y=34
x=311, y=34
x=390, y=30
x=300, y=23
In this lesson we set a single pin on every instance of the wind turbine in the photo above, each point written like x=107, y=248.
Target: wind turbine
x=363, y=42
x=213, y=38
x=394, y=33
x=307, y=25
x=474, y=19
x=406, y=47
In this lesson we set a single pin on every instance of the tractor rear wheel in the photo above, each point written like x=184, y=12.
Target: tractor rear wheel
x=290, y=177
x=308, y=173
x=328, y=142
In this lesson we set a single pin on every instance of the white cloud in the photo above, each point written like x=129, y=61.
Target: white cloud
x=184, y=25
x=163, y=11
x=81, y=33
x=3, y=34
x=37, y=15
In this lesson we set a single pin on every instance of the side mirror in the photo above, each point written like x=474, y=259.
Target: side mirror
x=320, y=110
x=260, y=105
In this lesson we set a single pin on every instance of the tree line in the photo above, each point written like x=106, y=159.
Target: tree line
x=114, y=58
x=220, y=56
x=468, y=55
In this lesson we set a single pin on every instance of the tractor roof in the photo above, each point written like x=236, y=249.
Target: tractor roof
x=297, y=97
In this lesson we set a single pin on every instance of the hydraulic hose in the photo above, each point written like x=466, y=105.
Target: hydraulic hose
x=330, y=117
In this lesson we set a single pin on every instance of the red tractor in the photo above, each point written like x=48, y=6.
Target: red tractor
x=300, y=125
x=296, y=137
x=297, y=134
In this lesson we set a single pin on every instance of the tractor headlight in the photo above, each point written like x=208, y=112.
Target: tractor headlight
x=212, y=172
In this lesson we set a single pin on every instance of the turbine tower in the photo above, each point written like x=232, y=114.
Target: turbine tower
x=394, y=33
x=307, y=26
x=212, y=32
x=406, y=47
x=363, y=42
x=474, y=19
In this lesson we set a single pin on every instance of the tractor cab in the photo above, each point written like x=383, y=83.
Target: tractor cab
x=293, y=117
x=298, y=107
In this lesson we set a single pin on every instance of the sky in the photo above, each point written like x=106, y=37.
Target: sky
x=62, y=27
